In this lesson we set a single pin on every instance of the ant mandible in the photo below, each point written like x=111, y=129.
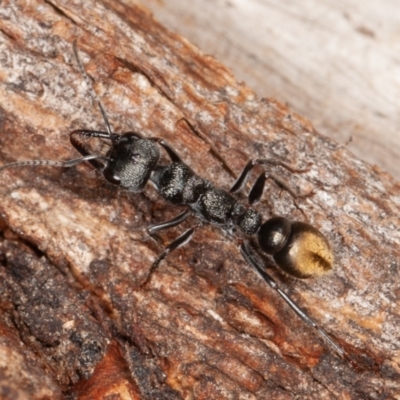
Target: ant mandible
x=297, y=248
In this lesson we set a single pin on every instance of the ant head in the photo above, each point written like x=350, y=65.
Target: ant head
x=298, y=248
x=130, y=161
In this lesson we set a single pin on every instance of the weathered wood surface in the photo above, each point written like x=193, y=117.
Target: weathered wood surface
x=74, y=250
x=335, y=63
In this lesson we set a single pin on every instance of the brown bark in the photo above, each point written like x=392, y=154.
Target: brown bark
x=75, y=250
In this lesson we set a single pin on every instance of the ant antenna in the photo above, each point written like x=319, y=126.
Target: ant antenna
x=91, y=90
x=65, y=164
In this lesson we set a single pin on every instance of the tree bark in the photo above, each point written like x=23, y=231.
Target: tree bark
x=75, y=320
x=335, y=63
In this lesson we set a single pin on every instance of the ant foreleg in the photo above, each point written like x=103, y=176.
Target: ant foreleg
x=178, y=242
x=173, y=155
x=250, y=257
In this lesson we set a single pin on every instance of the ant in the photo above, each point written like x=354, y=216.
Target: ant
x=132, y=161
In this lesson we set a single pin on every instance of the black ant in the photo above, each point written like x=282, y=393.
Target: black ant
x=298, y=248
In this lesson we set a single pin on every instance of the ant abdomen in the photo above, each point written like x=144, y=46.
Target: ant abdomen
x=298, y=248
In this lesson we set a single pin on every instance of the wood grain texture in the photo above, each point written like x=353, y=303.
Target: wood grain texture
x=335, y=63
x=75, y=250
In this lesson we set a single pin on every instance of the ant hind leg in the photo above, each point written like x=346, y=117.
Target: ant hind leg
x=245, y=174
x=257, y=189
x=251, y=258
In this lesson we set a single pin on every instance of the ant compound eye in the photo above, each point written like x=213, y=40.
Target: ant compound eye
x=273, y=234
x=131, y=136
x=306, y=254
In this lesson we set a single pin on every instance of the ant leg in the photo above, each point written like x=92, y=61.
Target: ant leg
x=288, y=189
x=169, y=224
x=173, y=155
x=250, y=257
x=244, y=176
x=258, y=188
x=178, y=242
